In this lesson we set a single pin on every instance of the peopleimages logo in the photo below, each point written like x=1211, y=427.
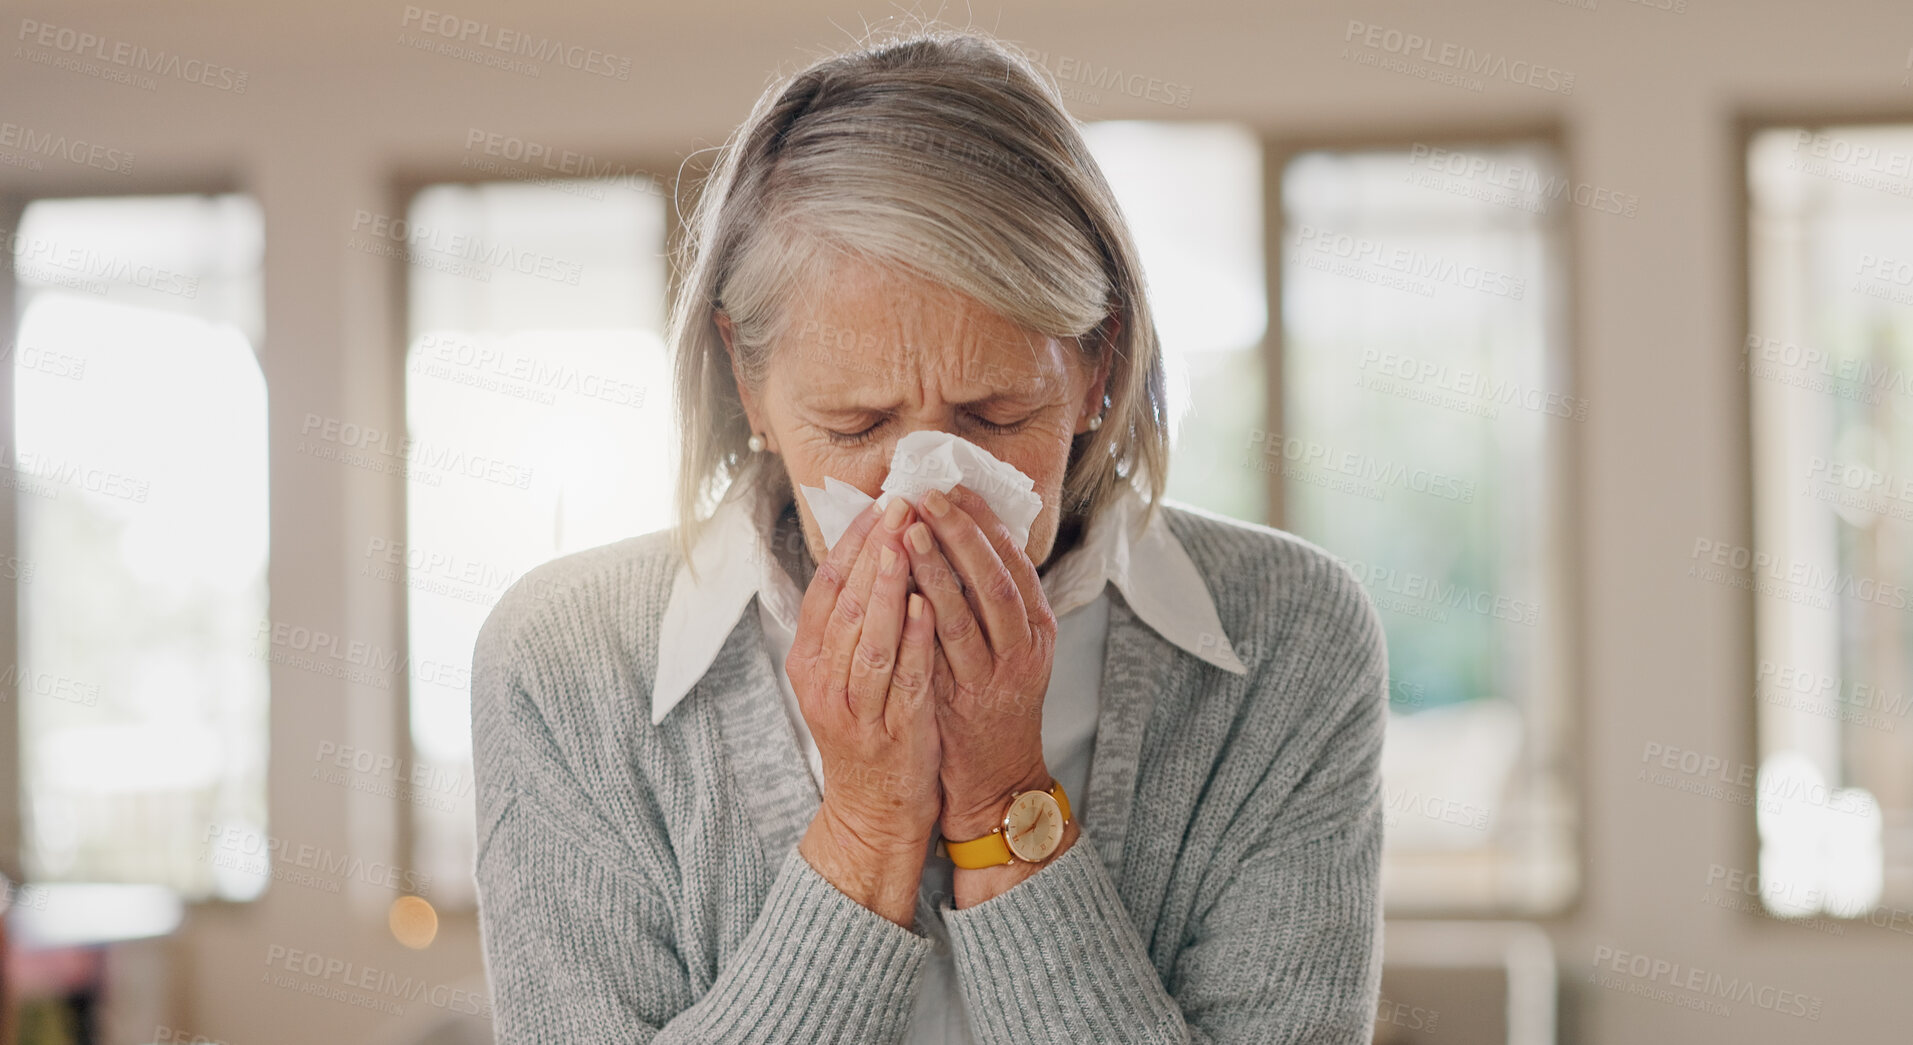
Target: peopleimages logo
x=422, y=454
x=1830, y=688
x=1459, y=57
x=1473, y=384
x=90, y=478
x=1714, y=776
x=519, y=374
x=73, y=150
x=1859, y=155
x=80, y=45
x=516, y=43
x=1855, y=375
x=463, y=246
x=1082, y=72
x=48, y=684
x=1478, y=168
x=333, y=978
x=1702, y=985
x=43, y=258
x=1360, y=466
x=354, y=660
x=565, y=166
x=1438, y=592
x=243, y=849
x=1409, y=262
x=1793, y=579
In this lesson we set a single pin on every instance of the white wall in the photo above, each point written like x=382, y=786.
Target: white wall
x=335, y=110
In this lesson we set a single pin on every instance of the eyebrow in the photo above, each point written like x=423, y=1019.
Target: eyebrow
x=1006, y=396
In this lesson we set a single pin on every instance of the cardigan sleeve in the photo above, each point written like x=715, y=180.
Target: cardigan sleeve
x=1288, y=951
x=580, y=947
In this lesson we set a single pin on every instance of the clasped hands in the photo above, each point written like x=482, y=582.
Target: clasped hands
x=926, y=705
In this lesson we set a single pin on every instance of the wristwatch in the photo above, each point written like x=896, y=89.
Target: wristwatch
x=1031, y=829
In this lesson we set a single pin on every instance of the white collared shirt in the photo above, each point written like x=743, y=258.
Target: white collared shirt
x=1148, y=565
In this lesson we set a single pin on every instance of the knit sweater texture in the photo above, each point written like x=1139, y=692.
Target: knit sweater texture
x=642, y=883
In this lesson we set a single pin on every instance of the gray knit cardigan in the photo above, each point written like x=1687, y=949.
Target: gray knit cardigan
x=642, y=883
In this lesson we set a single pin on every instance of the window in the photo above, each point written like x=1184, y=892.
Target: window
x=1192, y=197
x=1419, y=434
x=139, y=475
x=537, y=397
x=1425, y=404
x=1827, y=357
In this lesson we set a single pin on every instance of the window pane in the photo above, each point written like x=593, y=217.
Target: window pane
x=1828, y=355
x=537, y=360
x=140, y=480
x=1424, y=398
x=1192, y=196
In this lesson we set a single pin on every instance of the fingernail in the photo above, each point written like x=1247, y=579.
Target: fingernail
x=916, y=606
x=936, y=503
x=920, y=538
x=893, y=515
x=887, y=563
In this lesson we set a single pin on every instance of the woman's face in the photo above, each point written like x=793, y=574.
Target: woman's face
x=879, y=354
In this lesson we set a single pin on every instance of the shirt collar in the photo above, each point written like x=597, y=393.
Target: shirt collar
x=735, y=561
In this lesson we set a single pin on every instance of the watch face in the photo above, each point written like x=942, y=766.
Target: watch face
x=1034, y=826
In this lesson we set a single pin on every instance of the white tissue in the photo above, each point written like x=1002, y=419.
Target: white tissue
x=928, y=460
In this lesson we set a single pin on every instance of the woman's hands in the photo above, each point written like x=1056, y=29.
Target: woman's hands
x=997, y=644
x=861, y=665
x=924, y=721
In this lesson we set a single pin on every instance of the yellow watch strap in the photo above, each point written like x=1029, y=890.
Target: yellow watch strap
x=991, y=849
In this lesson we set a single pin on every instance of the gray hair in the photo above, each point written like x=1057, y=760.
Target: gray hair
x=945, y=153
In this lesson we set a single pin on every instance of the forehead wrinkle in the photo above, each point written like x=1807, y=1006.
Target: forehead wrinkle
x=865, y=395
x=890, y=341
x=970, y=373
x=956, y=375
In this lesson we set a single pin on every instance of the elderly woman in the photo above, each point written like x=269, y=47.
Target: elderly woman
x=1118, y=782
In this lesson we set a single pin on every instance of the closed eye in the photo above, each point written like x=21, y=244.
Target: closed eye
x=855, y=438
x=991, y=426
x=867, y=434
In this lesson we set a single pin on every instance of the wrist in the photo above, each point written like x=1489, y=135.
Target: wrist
x=875, y=835
x=972, y=817
x=972, y=886
x=883, y=879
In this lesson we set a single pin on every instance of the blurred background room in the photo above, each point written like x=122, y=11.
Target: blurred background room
x=1581, y=330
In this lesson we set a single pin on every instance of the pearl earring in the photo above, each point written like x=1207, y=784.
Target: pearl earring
x=1095, y=422
x=756, y=443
